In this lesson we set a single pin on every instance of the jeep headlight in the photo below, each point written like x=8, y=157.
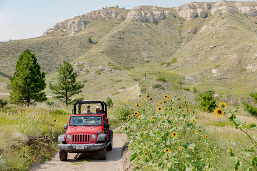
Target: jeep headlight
x=93, y=136
x=69, y=136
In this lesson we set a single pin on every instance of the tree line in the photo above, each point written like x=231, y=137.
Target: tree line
x=28, y=82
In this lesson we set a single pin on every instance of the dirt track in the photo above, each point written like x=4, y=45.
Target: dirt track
x=76, y=162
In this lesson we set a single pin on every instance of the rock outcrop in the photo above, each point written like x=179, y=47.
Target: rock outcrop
x=141, y=15
x=76, y=25
x=187, y=11
x=250, y=11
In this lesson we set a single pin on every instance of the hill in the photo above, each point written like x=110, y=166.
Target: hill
x=201, y=45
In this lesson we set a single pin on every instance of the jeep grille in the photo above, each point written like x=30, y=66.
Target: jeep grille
x=80, y=138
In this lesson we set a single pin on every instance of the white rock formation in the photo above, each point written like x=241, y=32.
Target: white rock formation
x=76, y=25
x=141, y=14
x=169, y=14
x=187, y=11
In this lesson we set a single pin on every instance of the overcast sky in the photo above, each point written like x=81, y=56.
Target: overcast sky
x=21, y=19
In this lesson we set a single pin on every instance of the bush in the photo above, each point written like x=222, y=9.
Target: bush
x=161, y=79
x=174, y=60
x=89, y=40
x=194, y=90
x=249, y=108
x=3, y=103
x=109, y=102
x=155, y=86
x=187, y=89
x=207, y=101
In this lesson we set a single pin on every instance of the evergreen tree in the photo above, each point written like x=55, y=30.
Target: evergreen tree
x=251, y=109
x=28, y=81
x=66, y=86
x=207, y=101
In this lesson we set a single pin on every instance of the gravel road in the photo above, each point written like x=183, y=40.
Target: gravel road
x=78, y=161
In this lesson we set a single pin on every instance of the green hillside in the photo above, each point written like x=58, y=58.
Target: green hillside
x=150, y=48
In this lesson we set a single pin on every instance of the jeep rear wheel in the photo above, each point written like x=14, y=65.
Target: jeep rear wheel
x=102, y=153
x=63, y=155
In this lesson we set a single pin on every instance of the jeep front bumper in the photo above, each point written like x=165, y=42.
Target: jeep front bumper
x=81, y=147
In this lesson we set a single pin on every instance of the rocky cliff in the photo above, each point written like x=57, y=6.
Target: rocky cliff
x=154, y=14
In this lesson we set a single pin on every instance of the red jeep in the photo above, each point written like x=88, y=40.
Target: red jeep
x=86, y=132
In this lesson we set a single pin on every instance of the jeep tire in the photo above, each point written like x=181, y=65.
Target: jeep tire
x=63, y=155
x=102, y=153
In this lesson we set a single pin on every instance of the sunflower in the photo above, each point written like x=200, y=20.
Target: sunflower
x=166, y=96
x=187, y=110
x=166, y=150
x=160, y=102
x=196, y=132
x=131, y=110
x=206, y=136
x=136, y=113
x=159, y=108
x=185, y=102
x=174, y=134
x=137, y=105
x=180, y=107
x=129, y=116
x=151, y=98
x=170, y=109
x=179, y=148
x=152, y=118
x=218, y=112
x=139, y=116
x=164, y=101
x=147, y=95
x=173, y=90
x=193, y=112
x=193, y=119
x=222, y=104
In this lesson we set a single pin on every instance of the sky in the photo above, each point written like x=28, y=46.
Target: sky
x=22, y=19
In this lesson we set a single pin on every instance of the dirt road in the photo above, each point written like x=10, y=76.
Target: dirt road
x=78, y=162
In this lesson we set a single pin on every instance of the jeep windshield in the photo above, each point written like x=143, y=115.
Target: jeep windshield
x=85, y=121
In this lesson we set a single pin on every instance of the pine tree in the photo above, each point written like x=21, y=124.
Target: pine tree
x=66, y=86
x=28, y=81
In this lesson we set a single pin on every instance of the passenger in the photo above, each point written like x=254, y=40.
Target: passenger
x=88, y=110
x=97, y=110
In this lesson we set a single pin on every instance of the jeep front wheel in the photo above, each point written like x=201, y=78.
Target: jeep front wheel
x=63, y=155
x=102, y=153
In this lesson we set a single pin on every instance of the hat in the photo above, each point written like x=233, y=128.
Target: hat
x=97, y=107
x=88, y=106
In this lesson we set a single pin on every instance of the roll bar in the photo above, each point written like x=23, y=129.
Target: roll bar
x=79, y=103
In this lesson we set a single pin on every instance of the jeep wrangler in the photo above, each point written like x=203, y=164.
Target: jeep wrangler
x=86, y=132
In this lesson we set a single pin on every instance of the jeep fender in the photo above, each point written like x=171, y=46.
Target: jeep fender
x=110, y=135
x=61, y=138
x=101, y=138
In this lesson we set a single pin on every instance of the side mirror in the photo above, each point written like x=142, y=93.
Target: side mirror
x=106, y=125
x=65, y=126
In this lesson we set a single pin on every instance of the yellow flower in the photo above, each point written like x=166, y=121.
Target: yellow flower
x=139, y=116
x=151, y=98
x=136, y=113
x=152, y=118
x=170, y=109
x=196, y=132
x=137, y=105
x=159, y=108
x=206, y=136
x=166, y=150
x=174, y=134
x=187, y=110
x=185, y=102
x=131, y=110
x=147, y=95
x=229, y=151
x=158, y=139
x=164, y=101
x=193, y=119
x=160, y=102
x=218, y=112
x=222, y=104
x=166, y=96
x=129, y=116
x=173, y=90
x=180, y=148
x=193, y=112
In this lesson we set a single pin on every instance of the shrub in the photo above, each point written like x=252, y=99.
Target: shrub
x=249, y=108
x=98, y=72
x=207, y=101
x=194, y=90
x=89, y=40
x=3, y=103
x=161, y=79
x=187, y=89
x=109, y=102
x=155, y=86
x=174, y=60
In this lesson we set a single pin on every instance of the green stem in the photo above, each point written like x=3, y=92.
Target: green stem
x=252, y=140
